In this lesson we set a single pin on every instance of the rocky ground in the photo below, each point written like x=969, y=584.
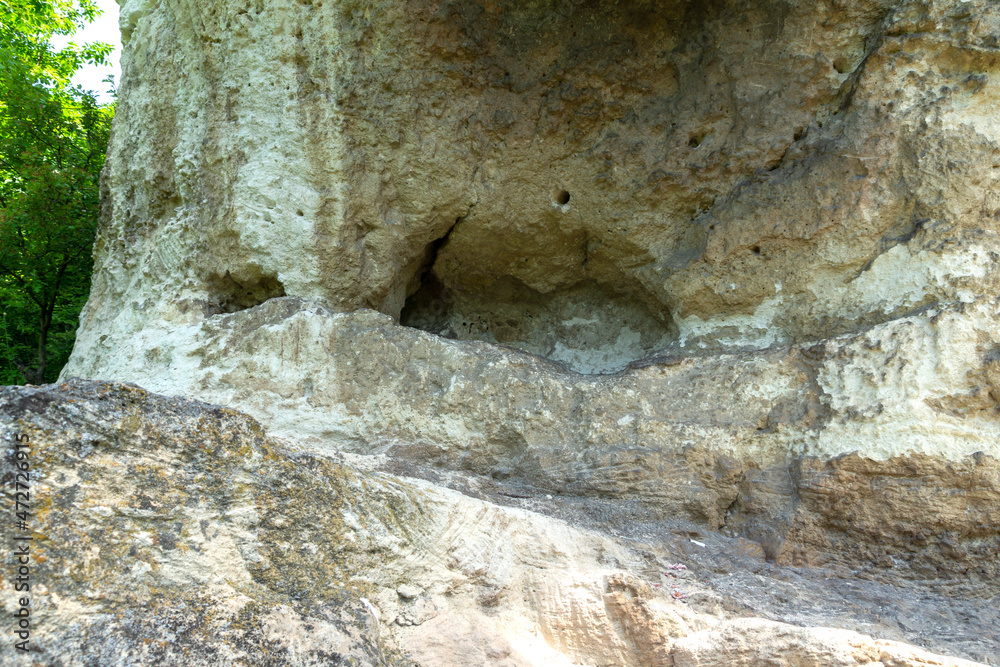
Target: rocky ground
x=733, y=577
x=169, y=531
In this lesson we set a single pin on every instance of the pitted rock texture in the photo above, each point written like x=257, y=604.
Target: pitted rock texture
x=593, y=182
x=723, y=270
x=755, y=230
x=175, y=532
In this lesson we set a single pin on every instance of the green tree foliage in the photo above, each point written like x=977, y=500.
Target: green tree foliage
x=52, y=142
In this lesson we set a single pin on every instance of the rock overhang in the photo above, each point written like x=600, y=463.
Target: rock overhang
x=616, y=187
x=494, y=168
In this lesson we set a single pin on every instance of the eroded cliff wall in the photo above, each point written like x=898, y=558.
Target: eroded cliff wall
x=718, y=266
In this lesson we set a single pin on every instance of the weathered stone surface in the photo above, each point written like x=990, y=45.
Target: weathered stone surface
x=175, y=532
x=735, y=172
x=752, y=642
x=748, y=442
x=820, y=263
x=663, y=270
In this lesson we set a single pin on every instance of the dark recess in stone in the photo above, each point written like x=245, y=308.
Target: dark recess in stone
x=226, y=294
x=512, y=314
x=428, y=308
x=696, y=139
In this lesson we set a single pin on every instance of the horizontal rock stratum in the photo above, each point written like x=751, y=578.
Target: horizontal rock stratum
x=715, y=271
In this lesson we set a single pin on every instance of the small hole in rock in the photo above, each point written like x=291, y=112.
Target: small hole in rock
x=755, y=249
x=299, y=213
x=561, y=197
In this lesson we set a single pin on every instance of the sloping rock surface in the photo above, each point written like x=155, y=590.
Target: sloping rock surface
x=169, y=531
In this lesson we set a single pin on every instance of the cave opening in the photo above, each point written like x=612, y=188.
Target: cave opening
x=227, y=293
x=589, y=328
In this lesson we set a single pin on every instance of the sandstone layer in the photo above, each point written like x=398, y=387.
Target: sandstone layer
x=723, y=270
x=173, y=532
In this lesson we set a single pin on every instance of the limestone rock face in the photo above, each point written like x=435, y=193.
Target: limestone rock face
x=723, y=270
x=592, y=182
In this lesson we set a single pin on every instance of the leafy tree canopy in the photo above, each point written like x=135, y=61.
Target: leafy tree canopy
x=52, y=142
x=26, y=26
